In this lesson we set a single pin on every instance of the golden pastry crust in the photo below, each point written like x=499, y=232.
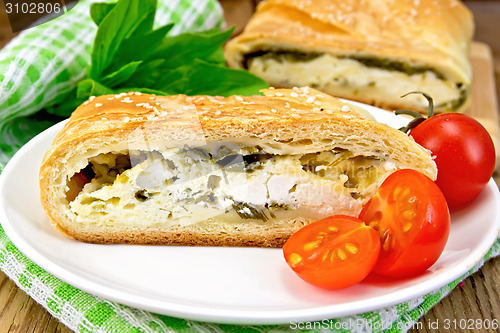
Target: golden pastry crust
x=284, y=121
x=433, y=34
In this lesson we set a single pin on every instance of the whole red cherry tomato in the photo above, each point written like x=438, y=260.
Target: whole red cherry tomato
x=464, y=154
x=333, y=253
x=412, y=219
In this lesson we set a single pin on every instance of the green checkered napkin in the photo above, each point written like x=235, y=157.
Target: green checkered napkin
x=36, y=70
x=44, y=63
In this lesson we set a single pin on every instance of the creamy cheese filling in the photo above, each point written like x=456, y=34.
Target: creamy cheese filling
x=182, y=186
x=349, y=76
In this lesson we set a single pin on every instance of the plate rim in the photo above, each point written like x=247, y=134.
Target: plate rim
x=224, y=316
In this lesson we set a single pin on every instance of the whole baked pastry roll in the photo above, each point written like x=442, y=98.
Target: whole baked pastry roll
x=363, y=50
x=203, y=170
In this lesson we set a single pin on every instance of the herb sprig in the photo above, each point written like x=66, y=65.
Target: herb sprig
x=129, y=54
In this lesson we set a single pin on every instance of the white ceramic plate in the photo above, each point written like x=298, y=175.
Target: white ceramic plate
x=225, y=285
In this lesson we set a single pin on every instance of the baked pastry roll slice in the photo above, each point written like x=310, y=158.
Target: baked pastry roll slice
x=202, y=170
x=368, y=51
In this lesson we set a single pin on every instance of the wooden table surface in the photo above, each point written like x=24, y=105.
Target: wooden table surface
x=477, y=299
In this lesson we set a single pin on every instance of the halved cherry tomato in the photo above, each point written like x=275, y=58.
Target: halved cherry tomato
x=333, y=253
x=411, y=216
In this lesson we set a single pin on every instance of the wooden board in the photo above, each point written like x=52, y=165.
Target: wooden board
x=484, y=106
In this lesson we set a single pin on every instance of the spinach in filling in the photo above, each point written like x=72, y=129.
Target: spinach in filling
x=456, y=103
x=282, y=56
x=383, y=63
x=247, y=211
x=252, y=212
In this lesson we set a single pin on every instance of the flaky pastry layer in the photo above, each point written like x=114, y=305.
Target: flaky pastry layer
x=205, y=170
x=363, y=50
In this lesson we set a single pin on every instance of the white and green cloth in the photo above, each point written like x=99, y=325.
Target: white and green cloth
x=43, y=63
x=37, y=69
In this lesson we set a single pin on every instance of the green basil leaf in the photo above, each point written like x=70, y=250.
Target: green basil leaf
x=142, y=90
x=138, y=47
x=121, y=75
x=175, y=81
x=125, y=18
x=184, y=48
x=148, y=73
x=66, y=107
x=99, y=10
x=62, y=105
x=203, y=78
x=217, y=57
x=178, y=51
x=89, y=87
